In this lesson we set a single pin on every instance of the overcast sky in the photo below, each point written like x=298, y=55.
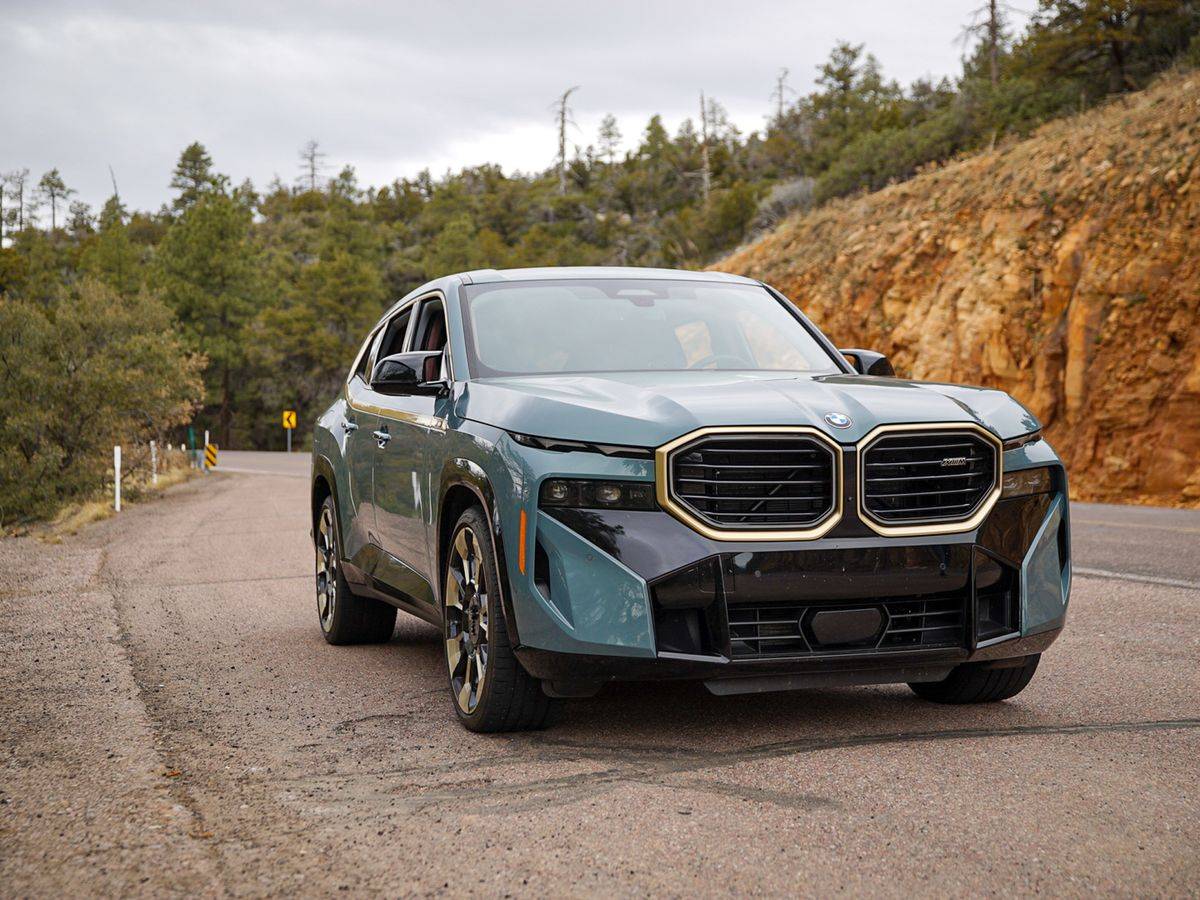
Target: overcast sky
x=392, y=88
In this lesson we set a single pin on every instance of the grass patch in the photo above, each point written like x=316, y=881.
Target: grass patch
x=135, y=488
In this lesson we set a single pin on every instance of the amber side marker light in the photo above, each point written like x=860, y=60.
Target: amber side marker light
x=521, y=544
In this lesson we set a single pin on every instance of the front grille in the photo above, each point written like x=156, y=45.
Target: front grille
x=936, y=476
x=755, y=482
x=784, y=630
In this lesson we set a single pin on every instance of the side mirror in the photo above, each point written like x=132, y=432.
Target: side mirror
x=406, y=373
x=868, y=362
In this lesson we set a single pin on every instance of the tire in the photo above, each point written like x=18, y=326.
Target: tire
x=489, y=689
x=345, y=618
x=973, y=684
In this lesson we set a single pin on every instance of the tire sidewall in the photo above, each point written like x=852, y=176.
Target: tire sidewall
x=341, y=587
x=475, y=519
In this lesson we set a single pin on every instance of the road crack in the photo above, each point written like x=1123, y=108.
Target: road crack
x=170, y=761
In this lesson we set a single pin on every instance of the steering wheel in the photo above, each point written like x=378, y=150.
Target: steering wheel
x=716, y=358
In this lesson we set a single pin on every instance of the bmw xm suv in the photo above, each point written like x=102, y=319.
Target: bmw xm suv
x=582, y=475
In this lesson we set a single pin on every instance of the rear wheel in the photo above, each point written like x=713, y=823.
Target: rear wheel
x=345, y=618
x=974, y=684
x=488, y=686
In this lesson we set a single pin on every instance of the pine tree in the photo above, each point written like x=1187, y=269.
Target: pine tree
x=609, y=139
x=54, y=191
x=207, y=271
x=79, y=221
x=193, y=177
x=110, y=256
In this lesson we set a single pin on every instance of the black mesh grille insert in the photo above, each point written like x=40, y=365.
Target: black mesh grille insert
x=764, y=630
x=927, y=476
x=765, y=482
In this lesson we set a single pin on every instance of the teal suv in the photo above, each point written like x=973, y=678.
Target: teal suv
x=582, y=475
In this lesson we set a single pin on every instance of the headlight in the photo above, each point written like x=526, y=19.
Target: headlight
x=1018, y=442
x=586, y=493
x=1027, y=481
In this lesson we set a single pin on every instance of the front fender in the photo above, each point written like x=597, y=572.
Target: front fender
x=460, y=471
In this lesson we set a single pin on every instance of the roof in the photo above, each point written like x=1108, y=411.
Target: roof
x=563, y=273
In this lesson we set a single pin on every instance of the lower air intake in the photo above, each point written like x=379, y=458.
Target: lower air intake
x=788, y=630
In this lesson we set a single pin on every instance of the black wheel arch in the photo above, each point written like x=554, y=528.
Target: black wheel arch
x=464, y=483
x=323, y=484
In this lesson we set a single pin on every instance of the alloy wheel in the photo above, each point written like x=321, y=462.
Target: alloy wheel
x=466, y=620
x=327, y=563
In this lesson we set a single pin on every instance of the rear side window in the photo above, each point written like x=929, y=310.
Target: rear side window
x=393, y=335
x=363, y=368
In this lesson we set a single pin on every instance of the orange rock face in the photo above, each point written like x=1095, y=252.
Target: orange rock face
x=1064, y=269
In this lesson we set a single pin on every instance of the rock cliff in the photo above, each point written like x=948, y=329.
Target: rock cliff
x=1064, y=269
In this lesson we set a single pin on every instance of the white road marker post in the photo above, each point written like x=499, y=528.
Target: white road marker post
x=203, y=449
x=153, y=464
x=117, y=478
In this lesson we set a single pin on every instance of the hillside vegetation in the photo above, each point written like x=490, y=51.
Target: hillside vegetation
x=1064, y=269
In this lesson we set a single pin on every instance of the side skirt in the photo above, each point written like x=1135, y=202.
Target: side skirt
x=377, y=574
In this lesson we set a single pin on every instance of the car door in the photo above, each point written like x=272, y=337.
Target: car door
x=405, y=475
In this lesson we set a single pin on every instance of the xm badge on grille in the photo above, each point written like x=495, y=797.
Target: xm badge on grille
x=953, y=461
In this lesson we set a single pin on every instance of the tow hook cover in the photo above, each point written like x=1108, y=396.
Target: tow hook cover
x=841, y=627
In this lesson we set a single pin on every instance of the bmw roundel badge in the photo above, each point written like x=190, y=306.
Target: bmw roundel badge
x=838, y=420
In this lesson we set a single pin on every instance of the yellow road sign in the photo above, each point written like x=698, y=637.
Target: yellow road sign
x=210, y=455
x=289, y=418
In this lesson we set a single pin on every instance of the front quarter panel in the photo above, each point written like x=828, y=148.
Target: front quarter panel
x=601, y=606
x=329, y=461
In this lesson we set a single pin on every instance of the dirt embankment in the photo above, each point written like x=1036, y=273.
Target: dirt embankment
x=1064, y=269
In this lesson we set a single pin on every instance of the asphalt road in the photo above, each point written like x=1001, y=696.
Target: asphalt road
x=173, y=723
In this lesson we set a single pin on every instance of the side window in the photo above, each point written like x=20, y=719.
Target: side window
x=431, y=327
x=363, y=369
x=393, y=335
x=430, y=334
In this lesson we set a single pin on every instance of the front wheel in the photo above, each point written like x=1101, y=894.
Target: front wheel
x=488, y=686
x=972, y=684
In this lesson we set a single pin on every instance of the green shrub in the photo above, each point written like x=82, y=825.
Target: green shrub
x=77, y=375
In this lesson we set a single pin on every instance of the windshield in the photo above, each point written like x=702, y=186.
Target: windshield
x=618, y=325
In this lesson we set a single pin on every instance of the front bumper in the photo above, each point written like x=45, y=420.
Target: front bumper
x=614, y=595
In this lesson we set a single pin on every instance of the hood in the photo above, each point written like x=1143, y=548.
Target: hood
x=647, y=409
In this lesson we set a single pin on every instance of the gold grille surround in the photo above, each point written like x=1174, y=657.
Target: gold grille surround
x=930, y=528
x=662, y=480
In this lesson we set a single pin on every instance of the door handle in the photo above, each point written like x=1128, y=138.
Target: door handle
x=382, y=437
x=348, y=426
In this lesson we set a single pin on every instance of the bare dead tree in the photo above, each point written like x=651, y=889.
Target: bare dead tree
x=311, y=164
x=780, y=94
x=4, y=177
x=705, y=166
x=988, y=23
x=993, y=39
x=563, y=118
x=16, y=191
